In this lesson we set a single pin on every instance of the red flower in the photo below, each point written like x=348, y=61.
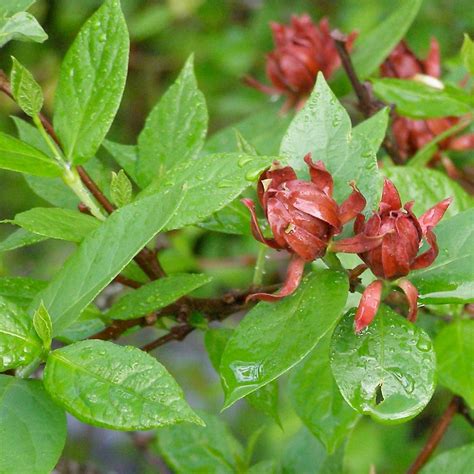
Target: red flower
x=412, y=135
x=302, y=49
x=302, y=215
x=396, y=253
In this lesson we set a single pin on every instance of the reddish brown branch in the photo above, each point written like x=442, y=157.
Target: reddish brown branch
x=127, y=281
x=177, y=333
x=368, y=105
x=436, y=436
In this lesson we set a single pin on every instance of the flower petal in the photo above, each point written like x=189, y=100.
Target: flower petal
x=395, y=260
x=427, y=258
x=464, y=142
x=368, y=306
x=292, y=281
x=320, y=176
x=306, y=245
x=390, y=197
x=277, y=176
x=432, y=62
x=412, y=296
x=358, y=244
x=252, y=82
x=256, y=231
x=433, y=215
x=352, y=206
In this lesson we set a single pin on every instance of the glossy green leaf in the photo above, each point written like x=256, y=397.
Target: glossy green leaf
x=26, y=91
x=304, y=454
x=264, y=467
x=265, y=399
x=10, y=7
x=125, y=155
x=105, y=252
x=32, y=428
x=175, y=130
x=117, y=387
x=90, y=322
x=197, y=449
x=260, y=350
x=120, y=189
x=21, y=26
x=16, y=155
x=19, y=343
x=155, y=295
x=43, y=325
x=264, y=130
x=55, y=223
x=450, y=279
x=455, y=354
x=20, y=290
x=388, y=370
x=417, y=100
x=20, y=238
x=455, y=461
x=316, y=398
x=91, y=82
x=232, y=219
x=428, y=187
x=323, y=128
x=371, y=49
x=467, y=53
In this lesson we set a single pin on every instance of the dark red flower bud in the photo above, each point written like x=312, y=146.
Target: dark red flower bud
x=302, y=49
x=302, y=215
x=412, y=135
x=389, y=243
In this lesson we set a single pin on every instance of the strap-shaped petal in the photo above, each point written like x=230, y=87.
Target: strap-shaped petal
x=432, y=62
x=433, y=215
x=292, y=281
x=352, y=206
x=464, y=142
x=427, y=258
x=369, y=305
x=412, y=296
x=256, y=231
x=390, y=197
x=358, y=244
x=320, y=176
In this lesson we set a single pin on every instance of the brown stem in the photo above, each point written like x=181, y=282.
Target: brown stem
x=367, y=103
x=177, y=333
x=127, y=281
x=436, y=436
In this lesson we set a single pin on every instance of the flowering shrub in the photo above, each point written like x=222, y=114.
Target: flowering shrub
x=155, y=228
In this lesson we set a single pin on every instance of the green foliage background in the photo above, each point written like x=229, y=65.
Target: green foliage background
x=229, y=39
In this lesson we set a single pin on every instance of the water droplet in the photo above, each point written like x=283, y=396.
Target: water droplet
x=243, y=161
x=252, y=175
x=423, y=345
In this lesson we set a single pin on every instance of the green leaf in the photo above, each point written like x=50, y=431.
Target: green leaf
x=323, y=128
x=264, y=467
x=33, y=427
x=104, y=253
x=371, y=49
x=16, y=155
x=195, y=449
x=304, y=454
x=125, y=155
x=115, y=387
x=467, y=54
x=317, y=400
x=263, y=129
x=19, y=343
x=419, y=101
x=455, y=461
x=232, y=219
x=455, y=354
x=121, y=189
x=26, y=91
x=21, y=26
x=260, y=350
x=175, y=130
x=91, y=83
x=55, y=223
x=43, y=325
x=388, y=370
x=428, y=187
x=450, y=278
x=20, y=290
x=10, y=7
x=265, y=399
x=20, y=238
x=155, y=295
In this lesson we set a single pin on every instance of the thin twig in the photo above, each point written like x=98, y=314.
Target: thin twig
x=177, y=333
x=367, y=103
x=436, y=436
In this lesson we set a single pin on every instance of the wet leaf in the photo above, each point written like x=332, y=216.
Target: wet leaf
x=125, y=155
x=20, y=26
x=20, y=238
x=115, y=387
x=26, y=91
x=121, y=189
x=456, y=461
x=43, y=326
x=260, y=350
x=388, y=370
x=25, y=411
